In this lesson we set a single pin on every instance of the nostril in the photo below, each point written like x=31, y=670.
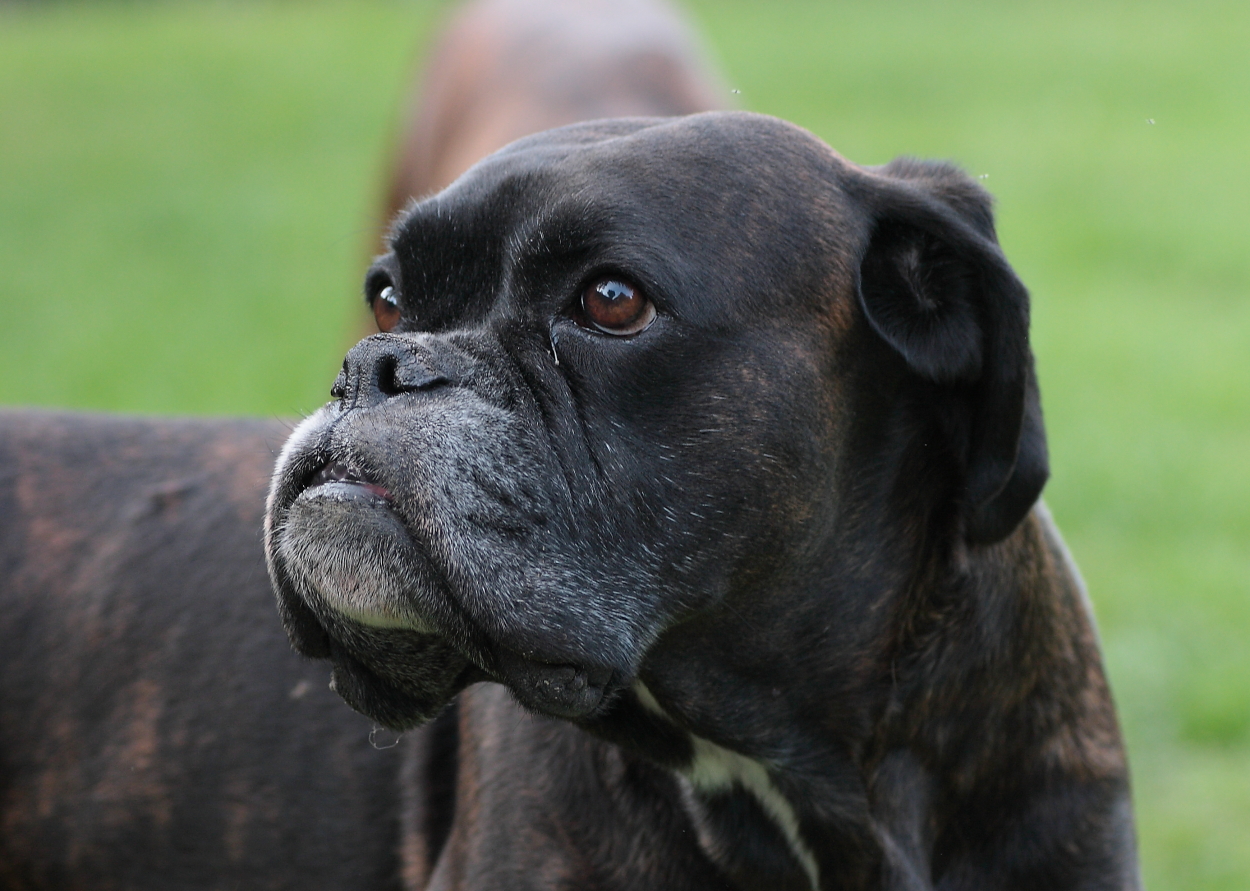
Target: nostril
x=382, y=367
x=415, y=371
x=406, y=374
x=386, y=381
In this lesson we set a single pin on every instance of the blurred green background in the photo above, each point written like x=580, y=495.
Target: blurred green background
x=189, y=191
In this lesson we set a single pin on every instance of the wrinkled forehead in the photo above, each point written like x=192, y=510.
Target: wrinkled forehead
x=746, y=195
x=700, y=167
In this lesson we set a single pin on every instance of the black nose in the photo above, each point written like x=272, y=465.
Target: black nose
x=383, y=366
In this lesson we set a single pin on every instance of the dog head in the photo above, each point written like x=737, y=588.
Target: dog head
x=644, y=378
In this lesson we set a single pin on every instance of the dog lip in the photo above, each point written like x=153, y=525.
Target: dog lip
x=563, y=690
x=338, y=471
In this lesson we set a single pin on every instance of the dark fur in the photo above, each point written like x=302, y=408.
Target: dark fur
x=799, y=508
x=155, y=729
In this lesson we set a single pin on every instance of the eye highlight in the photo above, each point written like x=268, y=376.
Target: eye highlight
x=386, y=309
x=616, y=307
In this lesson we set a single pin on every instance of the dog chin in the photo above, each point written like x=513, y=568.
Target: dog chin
x=574, y=692
x=408, y=680
x=353, y=558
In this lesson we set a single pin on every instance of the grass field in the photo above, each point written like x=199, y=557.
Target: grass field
x=188, y=192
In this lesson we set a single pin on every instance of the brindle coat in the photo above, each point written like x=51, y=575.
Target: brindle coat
x=775, y=558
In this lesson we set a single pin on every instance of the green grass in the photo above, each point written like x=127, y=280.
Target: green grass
x=188, y=193
x=188, y=197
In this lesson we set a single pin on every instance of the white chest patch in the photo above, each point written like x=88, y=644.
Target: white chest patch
x=716, y=769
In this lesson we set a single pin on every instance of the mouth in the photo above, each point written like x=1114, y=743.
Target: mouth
x=400, y=643
x=339, y=473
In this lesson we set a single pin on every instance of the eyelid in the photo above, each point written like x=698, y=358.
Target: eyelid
x=382, y=272
x=632, y=273
x=376, y=281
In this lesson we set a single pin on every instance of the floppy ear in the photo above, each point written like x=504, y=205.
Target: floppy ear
x=935, y=286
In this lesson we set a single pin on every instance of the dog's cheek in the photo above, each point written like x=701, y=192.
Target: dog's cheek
x=754, y=433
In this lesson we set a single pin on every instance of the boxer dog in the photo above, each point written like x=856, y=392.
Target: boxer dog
x=761, y=638
x=719, y=457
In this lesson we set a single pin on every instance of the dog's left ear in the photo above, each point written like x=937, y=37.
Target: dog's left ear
x=935, y=286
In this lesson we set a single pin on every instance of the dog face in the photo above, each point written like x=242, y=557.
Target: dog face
x=637, y=376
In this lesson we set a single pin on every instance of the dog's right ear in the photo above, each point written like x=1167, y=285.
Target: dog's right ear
x=935, y=286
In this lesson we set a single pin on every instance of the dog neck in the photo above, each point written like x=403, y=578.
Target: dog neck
x=716, y=773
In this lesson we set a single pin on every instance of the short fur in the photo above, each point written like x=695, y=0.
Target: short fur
x=770, y=576
x=155, y=730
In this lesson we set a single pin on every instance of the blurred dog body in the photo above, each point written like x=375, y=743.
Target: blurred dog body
x=504, y=69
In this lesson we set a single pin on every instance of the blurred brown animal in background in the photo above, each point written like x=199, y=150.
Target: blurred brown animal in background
x=504, y=69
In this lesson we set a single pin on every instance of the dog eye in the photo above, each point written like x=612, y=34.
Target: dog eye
x=617, y=307
x=386, y=309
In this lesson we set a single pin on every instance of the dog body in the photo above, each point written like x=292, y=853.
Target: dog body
x=155, y=729
x=725, y=452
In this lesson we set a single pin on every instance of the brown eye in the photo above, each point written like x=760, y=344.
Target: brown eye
x=386, y=309
x=617, y=307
